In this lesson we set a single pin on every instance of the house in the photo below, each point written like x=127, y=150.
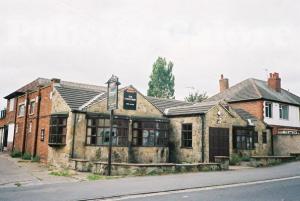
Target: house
x=267, y=101
x=28, y=119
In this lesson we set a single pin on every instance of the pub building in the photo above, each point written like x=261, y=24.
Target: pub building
x=148, y=130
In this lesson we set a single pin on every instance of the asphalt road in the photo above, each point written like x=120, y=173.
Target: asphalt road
x=288, y=190
x=142, y=185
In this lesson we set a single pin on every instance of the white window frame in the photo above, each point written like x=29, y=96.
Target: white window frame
x=21, y=115
x=30, y=127
x=281, y=112
x=32, y=101
x=11, y=104
x=268, y=111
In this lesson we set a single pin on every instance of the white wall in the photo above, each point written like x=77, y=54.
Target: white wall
x=11, y=128
x=293, y=121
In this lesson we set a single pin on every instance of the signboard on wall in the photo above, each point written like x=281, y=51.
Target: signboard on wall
x=130, y=97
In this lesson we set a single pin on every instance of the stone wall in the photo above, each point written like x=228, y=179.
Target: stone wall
x=178, y=154
x=284, y=145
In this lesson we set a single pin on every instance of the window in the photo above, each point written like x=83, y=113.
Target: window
x=264, y=136
x=17, y=128
x=187, y=135
x=98, y=131
x=21, y=110
x=284, y=111
x=58, y=130
x=42, y=135
x=150, y=133
x=244, y=138
x=11, y=104
x=269, y=110
x=31, y=107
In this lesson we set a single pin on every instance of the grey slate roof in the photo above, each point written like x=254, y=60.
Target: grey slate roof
x=162, y=104
x=245, y=115
x=197, y=108
x=76, y=95
x=253, y=89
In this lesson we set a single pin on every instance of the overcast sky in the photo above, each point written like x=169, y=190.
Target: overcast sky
x=88, y=40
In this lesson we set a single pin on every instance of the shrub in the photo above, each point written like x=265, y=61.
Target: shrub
x=36, y=159
x=235, y=159
x=16, y=154
x=245, y=158
x=26, y=156
x=64, y=173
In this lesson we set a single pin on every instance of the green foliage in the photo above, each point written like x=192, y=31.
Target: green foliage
x=195, y=97
x=162, y=80
x=94, y=177
x=16, y=154
x=26, y=156
x=235, y=159
x=36, y=159
x=63, y=173
x=245, y=158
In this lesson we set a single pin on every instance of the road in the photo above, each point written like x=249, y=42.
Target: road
x=288, y=190
x=152, y=184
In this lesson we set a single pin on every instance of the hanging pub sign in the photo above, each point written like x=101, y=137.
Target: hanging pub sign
x=129, y=99
x=112, y=91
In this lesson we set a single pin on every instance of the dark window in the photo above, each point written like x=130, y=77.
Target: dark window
x=244, y=138
x=98, y=130
x=150, y=133
x=31, y=107
x=269, y=109
x=187, y=135
x=58, y=130
x=264, y=136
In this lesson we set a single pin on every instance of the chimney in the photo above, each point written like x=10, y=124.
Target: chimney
x=274, y=82
x=224, y=83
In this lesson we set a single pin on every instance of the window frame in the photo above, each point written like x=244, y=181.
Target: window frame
x=119, y=138
x=282, y=115
x=244, y=140
x=264, y=138
x=60, y=138
x=23, y=110
x=42, y=136
x=268, y=109
x=158, y=133
x=11, y=104
x=31, y=111
x=187, y=136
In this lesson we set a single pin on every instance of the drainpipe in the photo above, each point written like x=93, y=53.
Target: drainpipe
x=25, y=124
x=202, y=116
x=74, y=132
x=15, y=122
x=272, y=142
x=37, y=122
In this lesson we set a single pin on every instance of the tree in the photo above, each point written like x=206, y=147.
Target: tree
x=196, y=97
x=161, y=82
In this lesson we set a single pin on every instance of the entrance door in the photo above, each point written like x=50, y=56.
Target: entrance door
x=218, y=142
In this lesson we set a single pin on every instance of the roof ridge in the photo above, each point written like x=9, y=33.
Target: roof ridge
x=255, y=87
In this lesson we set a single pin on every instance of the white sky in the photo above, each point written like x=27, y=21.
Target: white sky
x=88, y=40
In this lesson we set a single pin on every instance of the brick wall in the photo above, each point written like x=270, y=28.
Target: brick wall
x=255, y=108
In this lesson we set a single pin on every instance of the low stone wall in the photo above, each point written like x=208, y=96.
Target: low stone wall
x=286, y=144
x=296, y=155
x=265, y=161
x=154, y=169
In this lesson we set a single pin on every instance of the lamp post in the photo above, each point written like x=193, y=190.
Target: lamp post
x=112, y=104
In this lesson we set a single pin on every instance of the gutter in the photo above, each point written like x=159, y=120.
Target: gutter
x=202, y=116
x=74, y=132
x=37, y=122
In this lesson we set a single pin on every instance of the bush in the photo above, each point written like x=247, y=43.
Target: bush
x=235, y=159
x=63, y=173
x=36, y=159
x=245, y=158
x=16, y=154
x=26, y=156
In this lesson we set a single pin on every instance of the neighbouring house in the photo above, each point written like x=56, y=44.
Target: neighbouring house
x=268, y=102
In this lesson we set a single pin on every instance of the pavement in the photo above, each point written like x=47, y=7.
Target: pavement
x=115, y=188
x=16, y=172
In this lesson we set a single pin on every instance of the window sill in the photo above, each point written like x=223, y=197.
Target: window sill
x=186, y=147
